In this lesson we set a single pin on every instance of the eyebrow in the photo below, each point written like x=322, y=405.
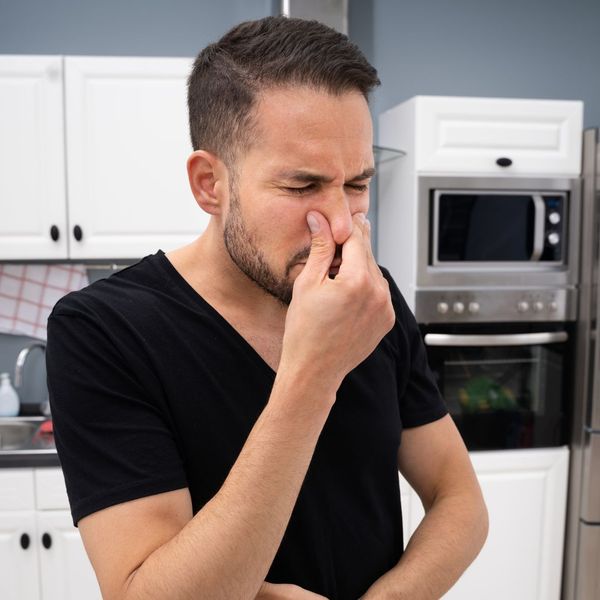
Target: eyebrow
x=302, y=176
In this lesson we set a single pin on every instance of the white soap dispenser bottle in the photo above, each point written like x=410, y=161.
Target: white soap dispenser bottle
x=9, y=399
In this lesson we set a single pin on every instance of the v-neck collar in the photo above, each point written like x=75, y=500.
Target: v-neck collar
x=184, y=285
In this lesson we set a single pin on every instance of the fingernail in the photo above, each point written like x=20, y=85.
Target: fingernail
x=368, y=224
x=313, y=223
x=362, y=217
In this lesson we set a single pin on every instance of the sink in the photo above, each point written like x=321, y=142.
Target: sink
x=23, y=434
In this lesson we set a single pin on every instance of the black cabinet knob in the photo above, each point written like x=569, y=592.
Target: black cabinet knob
x=46, y=541
x=77, y=232
x=504, y=162
x=54, y=233
x=25, y=541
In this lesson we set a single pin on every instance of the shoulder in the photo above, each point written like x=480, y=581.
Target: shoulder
x=121, y=292
x=403, y=312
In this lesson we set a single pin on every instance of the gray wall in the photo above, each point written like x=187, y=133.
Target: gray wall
x=120, y=27
x=513, y=48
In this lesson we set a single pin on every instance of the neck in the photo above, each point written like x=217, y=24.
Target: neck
x=206, y=265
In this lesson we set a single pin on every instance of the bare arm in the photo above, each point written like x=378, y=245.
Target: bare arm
x=435, y=462
x=153, y=548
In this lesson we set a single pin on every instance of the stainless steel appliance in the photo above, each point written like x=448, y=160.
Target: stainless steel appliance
x=581, y=579
x=505, y=385
x=496, y=250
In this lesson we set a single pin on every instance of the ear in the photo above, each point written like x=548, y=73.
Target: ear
x=208, y=180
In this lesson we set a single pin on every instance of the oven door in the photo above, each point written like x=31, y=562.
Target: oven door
x=504, y=387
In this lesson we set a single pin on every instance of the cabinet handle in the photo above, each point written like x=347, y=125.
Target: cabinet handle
x=25, y=541
x=46, y=541
x=54, y=233
x=503, y=161
x=77, y=232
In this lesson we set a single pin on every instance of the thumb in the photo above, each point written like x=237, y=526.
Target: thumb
x=322, y=248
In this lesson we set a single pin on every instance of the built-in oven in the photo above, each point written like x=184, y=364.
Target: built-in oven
x=505, y=384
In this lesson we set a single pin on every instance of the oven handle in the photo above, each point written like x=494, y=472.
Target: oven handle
x=538, y=231
x=505, y=339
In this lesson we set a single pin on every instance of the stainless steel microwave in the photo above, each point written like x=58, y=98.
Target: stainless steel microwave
x=505, y=228
x=476, y=232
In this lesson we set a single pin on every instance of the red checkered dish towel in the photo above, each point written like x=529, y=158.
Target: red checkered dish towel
x=29, y=292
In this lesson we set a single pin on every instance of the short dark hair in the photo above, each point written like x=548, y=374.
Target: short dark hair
x=275, y=51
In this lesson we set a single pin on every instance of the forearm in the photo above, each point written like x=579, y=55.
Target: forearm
x=226, y=550
x=446, y=542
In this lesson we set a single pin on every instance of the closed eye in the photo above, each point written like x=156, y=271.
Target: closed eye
x=358, y=187
x=301, y=190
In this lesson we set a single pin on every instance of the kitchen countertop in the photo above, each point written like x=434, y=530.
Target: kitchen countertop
x=29, y=458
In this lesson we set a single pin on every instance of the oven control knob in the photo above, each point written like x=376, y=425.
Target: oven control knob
x=473, y=307
x=523, y=306
x=442, y=308
x=458, y=308
x=538, y=306
x=554, y=218
x=553, y=238
x=553, y=306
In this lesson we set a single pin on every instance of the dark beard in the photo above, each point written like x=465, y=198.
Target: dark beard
x=250, y=260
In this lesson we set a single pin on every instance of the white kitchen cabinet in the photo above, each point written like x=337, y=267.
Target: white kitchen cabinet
x=526, y=493
x=32, y=170
x=127, y=146
x=19, y=575
x=462, y=135
x=97, y=148
x=41, y=554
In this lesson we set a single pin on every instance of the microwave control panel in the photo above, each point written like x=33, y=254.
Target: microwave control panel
x=553, y=227
x=495, y=305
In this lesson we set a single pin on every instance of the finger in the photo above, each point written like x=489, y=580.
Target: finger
x=371, y=262
x=322, y=248
x=354, y=255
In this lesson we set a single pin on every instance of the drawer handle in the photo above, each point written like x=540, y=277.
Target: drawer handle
x=25, y=541
x=78, y=232
x=54, y=233
x=503, y=161
x=46, y=541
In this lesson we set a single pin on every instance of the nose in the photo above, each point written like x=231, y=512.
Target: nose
x=339, y=215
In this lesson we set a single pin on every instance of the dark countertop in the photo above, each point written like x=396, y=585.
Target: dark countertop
x=28, y=458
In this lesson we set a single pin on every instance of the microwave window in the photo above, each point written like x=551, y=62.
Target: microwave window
x=485, y=227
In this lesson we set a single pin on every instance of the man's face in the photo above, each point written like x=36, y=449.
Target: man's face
x=312, y=151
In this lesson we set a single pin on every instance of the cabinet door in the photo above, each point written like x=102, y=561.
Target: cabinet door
x=66, y=572
x=32, y=172
x=469, y=135
x=127, y=146
x=18, y=556
x=526, y=493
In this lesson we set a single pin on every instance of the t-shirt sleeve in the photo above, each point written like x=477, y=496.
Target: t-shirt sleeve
x=420, y=398
x=112, y=435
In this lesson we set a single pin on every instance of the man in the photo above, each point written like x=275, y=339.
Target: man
x=231, y=416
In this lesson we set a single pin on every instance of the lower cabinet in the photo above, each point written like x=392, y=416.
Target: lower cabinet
x=526, y=495
x=41, y=554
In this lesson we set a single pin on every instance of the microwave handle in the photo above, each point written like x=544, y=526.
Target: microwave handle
x=538, y=231
x=504, y=339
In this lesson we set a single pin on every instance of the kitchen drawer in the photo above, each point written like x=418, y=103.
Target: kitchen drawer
x=469, y=135
x=51, y=493
x=16, y=489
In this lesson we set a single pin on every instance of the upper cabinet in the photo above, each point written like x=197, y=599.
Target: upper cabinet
x=32, y=167
x=487, y=136
x=116, y=162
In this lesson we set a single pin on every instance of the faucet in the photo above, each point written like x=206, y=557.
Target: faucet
x=19, y=367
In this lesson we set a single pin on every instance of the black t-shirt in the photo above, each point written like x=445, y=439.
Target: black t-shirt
x=153, y=390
